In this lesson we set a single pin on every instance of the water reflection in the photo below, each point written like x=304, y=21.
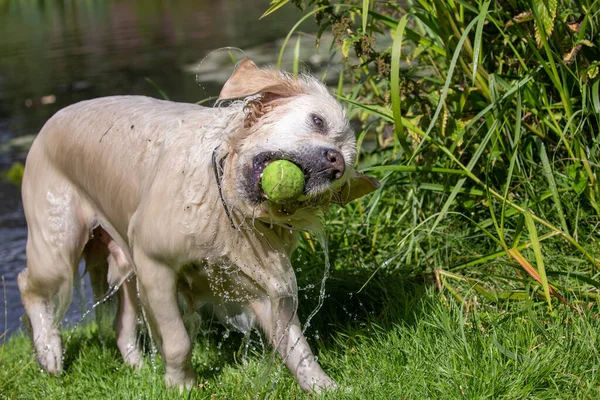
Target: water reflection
x=83, y=49
x=54, y=53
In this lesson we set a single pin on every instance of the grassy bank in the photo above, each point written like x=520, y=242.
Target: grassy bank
x=422, y=346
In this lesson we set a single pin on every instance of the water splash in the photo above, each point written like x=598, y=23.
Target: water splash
x=111, y=292
x=198, y=68
x=320, y=235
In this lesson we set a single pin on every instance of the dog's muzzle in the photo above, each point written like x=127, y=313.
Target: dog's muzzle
x=320, y=166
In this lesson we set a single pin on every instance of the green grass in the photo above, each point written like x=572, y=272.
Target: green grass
x=421, y=345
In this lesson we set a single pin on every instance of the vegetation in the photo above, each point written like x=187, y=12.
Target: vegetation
x=473, y=272
x=482, y=120
x=423, y=347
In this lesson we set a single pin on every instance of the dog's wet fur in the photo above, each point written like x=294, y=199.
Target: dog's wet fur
x=164, y=198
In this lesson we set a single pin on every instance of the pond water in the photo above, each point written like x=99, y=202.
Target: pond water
x=54, y=53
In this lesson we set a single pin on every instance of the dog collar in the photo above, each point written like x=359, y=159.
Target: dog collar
x=218, y=171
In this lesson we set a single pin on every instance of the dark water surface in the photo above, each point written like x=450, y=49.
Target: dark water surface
x=54, y=53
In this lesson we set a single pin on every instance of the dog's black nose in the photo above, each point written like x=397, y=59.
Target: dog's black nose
x=335, y=159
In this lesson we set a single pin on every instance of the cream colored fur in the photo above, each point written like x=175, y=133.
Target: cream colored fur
x=130, y=183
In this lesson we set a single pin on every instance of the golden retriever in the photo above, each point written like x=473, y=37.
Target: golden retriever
x=164, y=198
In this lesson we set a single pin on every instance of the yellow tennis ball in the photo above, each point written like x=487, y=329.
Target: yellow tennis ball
x=282, y=181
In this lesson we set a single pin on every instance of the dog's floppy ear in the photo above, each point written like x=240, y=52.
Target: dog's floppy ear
x=357, y=186
x=248, y=80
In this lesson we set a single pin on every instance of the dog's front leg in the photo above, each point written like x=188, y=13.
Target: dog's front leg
x=277, y=316
x=157, y=283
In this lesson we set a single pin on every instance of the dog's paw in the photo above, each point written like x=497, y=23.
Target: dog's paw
x=180, y=379
x=134, y=358
x=132, y=354
x=49, y=353
x=320, y=384
x=332, y=386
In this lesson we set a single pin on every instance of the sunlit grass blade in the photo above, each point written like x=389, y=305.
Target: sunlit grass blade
x=377, y=110
x=478, y=34
x=522, y=261
x=158, y=89
x=539, y=258
x=206, y=100
x=414, y=168
x=495, y=255
x=453, y=291
x=436, y=187
x=596, y=96
x=395, y=84
x=365, y=15
x=476, y=284
x=296, y=61
x=274, y=6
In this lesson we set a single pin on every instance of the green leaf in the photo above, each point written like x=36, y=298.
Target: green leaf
x=347, y=45
x=577, y=179
x=592, y=71
x=595, y=95
x=275, y=5
x=547, y=12
x=15, y=174
x=586, y=43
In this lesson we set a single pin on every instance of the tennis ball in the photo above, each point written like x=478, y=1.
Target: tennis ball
x=282, y=181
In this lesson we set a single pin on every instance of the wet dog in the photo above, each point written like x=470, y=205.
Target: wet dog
x=164, y=198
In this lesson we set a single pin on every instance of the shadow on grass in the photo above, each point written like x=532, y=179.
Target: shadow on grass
x=384, y=302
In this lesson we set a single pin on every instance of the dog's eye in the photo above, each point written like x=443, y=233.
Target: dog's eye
x=318, y=122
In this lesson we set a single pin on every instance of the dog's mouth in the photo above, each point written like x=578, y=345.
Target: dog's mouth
x=321, y=168
x=261, y=162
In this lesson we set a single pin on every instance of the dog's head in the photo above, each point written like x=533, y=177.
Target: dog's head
x=294, y=119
